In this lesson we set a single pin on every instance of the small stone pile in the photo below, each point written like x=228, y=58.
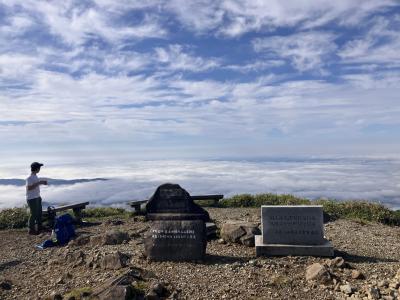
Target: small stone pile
x=240, y=232
x=348, y=283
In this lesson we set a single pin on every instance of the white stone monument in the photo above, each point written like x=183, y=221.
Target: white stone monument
x=292, y=230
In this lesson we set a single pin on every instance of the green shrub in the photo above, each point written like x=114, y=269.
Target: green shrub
x=357, y=210
x=248, y=200
x=360, y=210
x=14, y=218
x=102, y=212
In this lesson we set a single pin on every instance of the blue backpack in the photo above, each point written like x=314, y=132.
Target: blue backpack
x=64, y=229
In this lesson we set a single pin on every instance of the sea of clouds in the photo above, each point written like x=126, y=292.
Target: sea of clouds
x=371, y=179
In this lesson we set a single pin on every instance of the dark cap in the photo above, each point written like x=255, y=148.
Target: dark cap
x=35, y=165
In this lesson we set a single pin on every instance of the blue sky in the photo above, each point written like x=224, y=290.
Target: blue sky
x=196, y=79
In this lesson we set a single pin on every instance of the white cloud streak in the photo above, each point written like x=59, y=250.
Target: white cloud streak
x=305, y=50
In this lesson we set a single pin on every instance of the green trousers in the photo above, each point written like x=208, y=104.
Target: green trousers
x=35, y=206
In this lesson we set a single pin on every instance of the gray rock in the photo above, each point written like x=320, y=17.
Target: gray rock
x=114, y=237
x=240, y=232
x=96, y=240
x=5, y=284
x=80, y=241
x=317, y=272
x=356, y=274
x=118, y=292
x=383, y=283
x=247, y=240
x=347, y=289
x=397, y=274
x=76, y=258
x=152, y=295
x=56, y=296
x=337, y=262
x=114, y=261
x=159, y=289
x=373, y=293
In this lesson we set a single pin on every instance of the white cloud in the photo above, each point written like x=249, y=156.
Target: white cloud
x=305, y=50
x=75, y=24
x=379, y=45
x=176, y=58
x=198, y=16
x=338, y=178
x=256, y=66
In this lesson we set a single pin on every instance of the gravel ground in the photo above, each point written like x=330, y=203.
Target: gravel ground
x=229, y=271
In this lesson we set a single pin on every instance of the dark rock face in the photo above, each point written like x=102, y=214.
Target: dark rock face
x=176, y=240
x=170, y=201
x=114, y=261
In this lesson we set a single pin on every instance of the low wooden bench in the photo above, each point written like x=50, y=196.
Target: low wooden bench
x=77, y=208
x=136, y=204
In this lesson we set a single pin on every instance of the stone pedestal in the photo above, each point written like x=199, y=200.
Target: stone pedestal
x=292, y=230
x=176, y=240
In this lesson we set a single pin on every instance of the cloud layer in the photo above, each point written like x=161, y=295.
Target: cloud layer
x=371, y=179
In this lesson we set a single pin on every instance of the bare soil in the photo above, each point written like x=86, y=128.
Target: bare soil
x=229, y=271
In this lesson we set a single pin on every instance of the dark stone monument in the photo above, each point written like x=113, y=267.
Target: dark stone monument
x=178, y=232
x=171, y=202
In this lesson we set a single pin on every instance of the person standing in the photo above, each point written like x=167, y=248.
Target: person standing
x=33, y=198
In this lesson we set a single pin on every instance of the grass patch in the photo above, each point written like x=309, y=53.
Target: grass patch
x=14, y=218
x=82, y=293
x=248, y=200
x=104, y=212
x=361, y=211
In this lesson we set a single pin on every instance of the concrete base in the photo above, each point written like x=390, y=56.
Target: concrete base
x=295, y=250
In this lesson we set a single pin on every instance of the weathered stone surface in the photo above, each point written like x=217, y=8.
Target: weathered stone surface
x=240, y=232
x=232, y=232
x=80, y=241
x=398, y=274
x=176, y=240
x=118, y=292
x=75, y=258
x=373, y=293
x=317, y=272
x=383, y=283
x=114, y=261
x=113, y=237
x=337, y=262
x=356, y=274
x=5, y=284
x=56, y=296
x=170, y=200
x=152, y=295
x=347, y=289
x=159, y=289
x=96, y=240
